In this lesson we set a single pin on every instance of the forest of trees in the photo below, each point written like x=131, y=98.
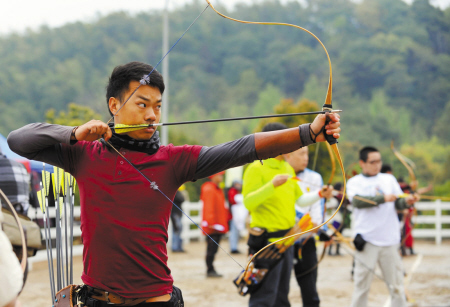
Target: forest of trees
x=391, y=72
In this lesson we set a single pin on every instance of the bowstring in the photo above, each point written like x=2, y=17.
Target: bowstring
x=155, y=187
x=328, y=100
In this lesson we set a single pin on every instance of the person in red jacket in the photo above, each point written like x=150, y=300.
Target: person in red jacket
x=215, y=218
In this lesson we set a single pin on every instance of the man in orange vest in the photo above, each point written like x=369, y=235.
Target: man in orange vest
x=215, y=218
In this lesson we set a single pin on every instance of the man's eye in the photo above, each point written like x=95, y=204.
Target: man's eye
x=142, y=105
x=158, y=107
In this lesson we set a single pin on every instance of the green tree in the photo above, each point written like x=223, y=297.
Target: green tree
x=76, y=115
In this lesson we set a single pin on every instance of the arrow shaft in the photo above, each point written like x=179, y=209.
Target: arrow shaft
x=242, y=118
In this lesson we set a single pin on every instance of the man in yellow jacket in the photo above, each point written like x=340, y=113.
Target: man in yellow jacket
x=270, y=194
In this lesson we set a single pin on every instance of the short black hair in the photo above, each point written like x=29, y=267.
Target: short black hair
x=386, y=168
x=274, y=127
x=364, y=153
x=337, y=186
x=122, y=75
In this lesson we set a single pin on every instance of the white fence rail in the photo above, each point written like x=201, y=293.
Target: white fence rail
x=193, y=209
x=190, y=231
x=438, y=219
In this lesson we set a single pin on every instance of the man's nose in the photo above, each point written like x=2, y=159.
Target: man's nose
x=150, y=115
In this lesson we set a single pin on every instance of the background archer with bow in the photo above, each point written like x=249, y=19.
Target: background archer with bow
x=127, y=183
x=377, y=227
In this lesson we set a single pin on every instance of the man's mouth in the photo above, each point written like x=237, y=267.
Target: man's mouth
x=150, y=129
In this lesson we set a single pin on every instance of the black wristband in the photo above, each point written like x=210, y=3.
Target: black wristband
x=305, y=135
x=73, y=134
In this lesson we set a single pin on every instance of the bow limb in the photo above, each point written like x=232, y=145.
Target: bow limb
x=23, y=263
x=400, y=157
x=413, y=185
x=338, y=234
x=325, y=245
x=326, y=107
x=333, y=163
x=432, y=197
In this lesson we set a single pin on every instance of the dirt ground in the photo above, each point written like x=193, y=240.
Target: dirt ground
x=429, y=284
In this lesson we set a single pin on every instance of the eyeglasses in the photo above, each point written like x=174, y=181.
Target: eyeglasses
x=374, y=162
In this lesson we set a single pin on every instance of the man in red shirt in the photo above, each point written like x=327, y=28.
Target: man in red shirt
x=124, y=215
x=215, y=218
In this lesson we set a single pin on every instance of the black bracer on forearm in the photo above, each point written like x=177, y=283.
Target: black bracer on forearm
x=401, y=204
x=361, y=204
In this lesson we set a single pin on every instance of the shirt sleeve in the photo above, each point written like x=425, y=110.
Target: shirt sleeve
x=41, y=142
x=255, y=191
x=317, y=209
x=309, y=199
x=224, y=156
x=360, y=204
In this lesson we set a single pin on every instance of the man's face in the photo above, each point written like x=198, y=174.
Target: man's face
x=298, y=159
x=217, y=178
x=373, y=164
x=144, y=107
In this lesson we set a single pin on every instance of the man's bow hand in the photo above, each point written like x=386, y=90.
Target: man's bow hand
x=332, y=127
x=326, y=191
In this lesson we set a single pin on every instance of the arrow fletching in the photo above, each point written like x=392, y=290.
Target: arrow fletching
x=61, y=175
x=67, y=181
x=41, y=198
x=121, y=128
x=56, y=179
x=46, y=182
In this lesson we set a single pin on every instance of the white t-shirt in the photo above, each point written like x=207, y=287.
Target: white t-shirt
x=311, y=181
x=378, y=225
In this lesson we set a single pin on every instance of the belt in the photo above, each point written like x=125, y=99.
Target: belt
x=277, y=234
x=112, y=298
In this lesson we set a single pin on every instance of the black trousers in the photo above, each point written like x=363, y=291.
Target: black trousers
x=176, y=300
x=211, y=250
x=307, y=282
x=274, y=290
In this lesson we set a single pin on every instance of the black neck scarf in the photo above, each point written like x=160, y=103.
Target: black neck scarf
x=150, y=146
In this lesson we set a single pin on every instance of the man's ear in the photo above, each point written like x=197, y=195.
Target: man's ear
x=113, y=104
x=361, y=163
